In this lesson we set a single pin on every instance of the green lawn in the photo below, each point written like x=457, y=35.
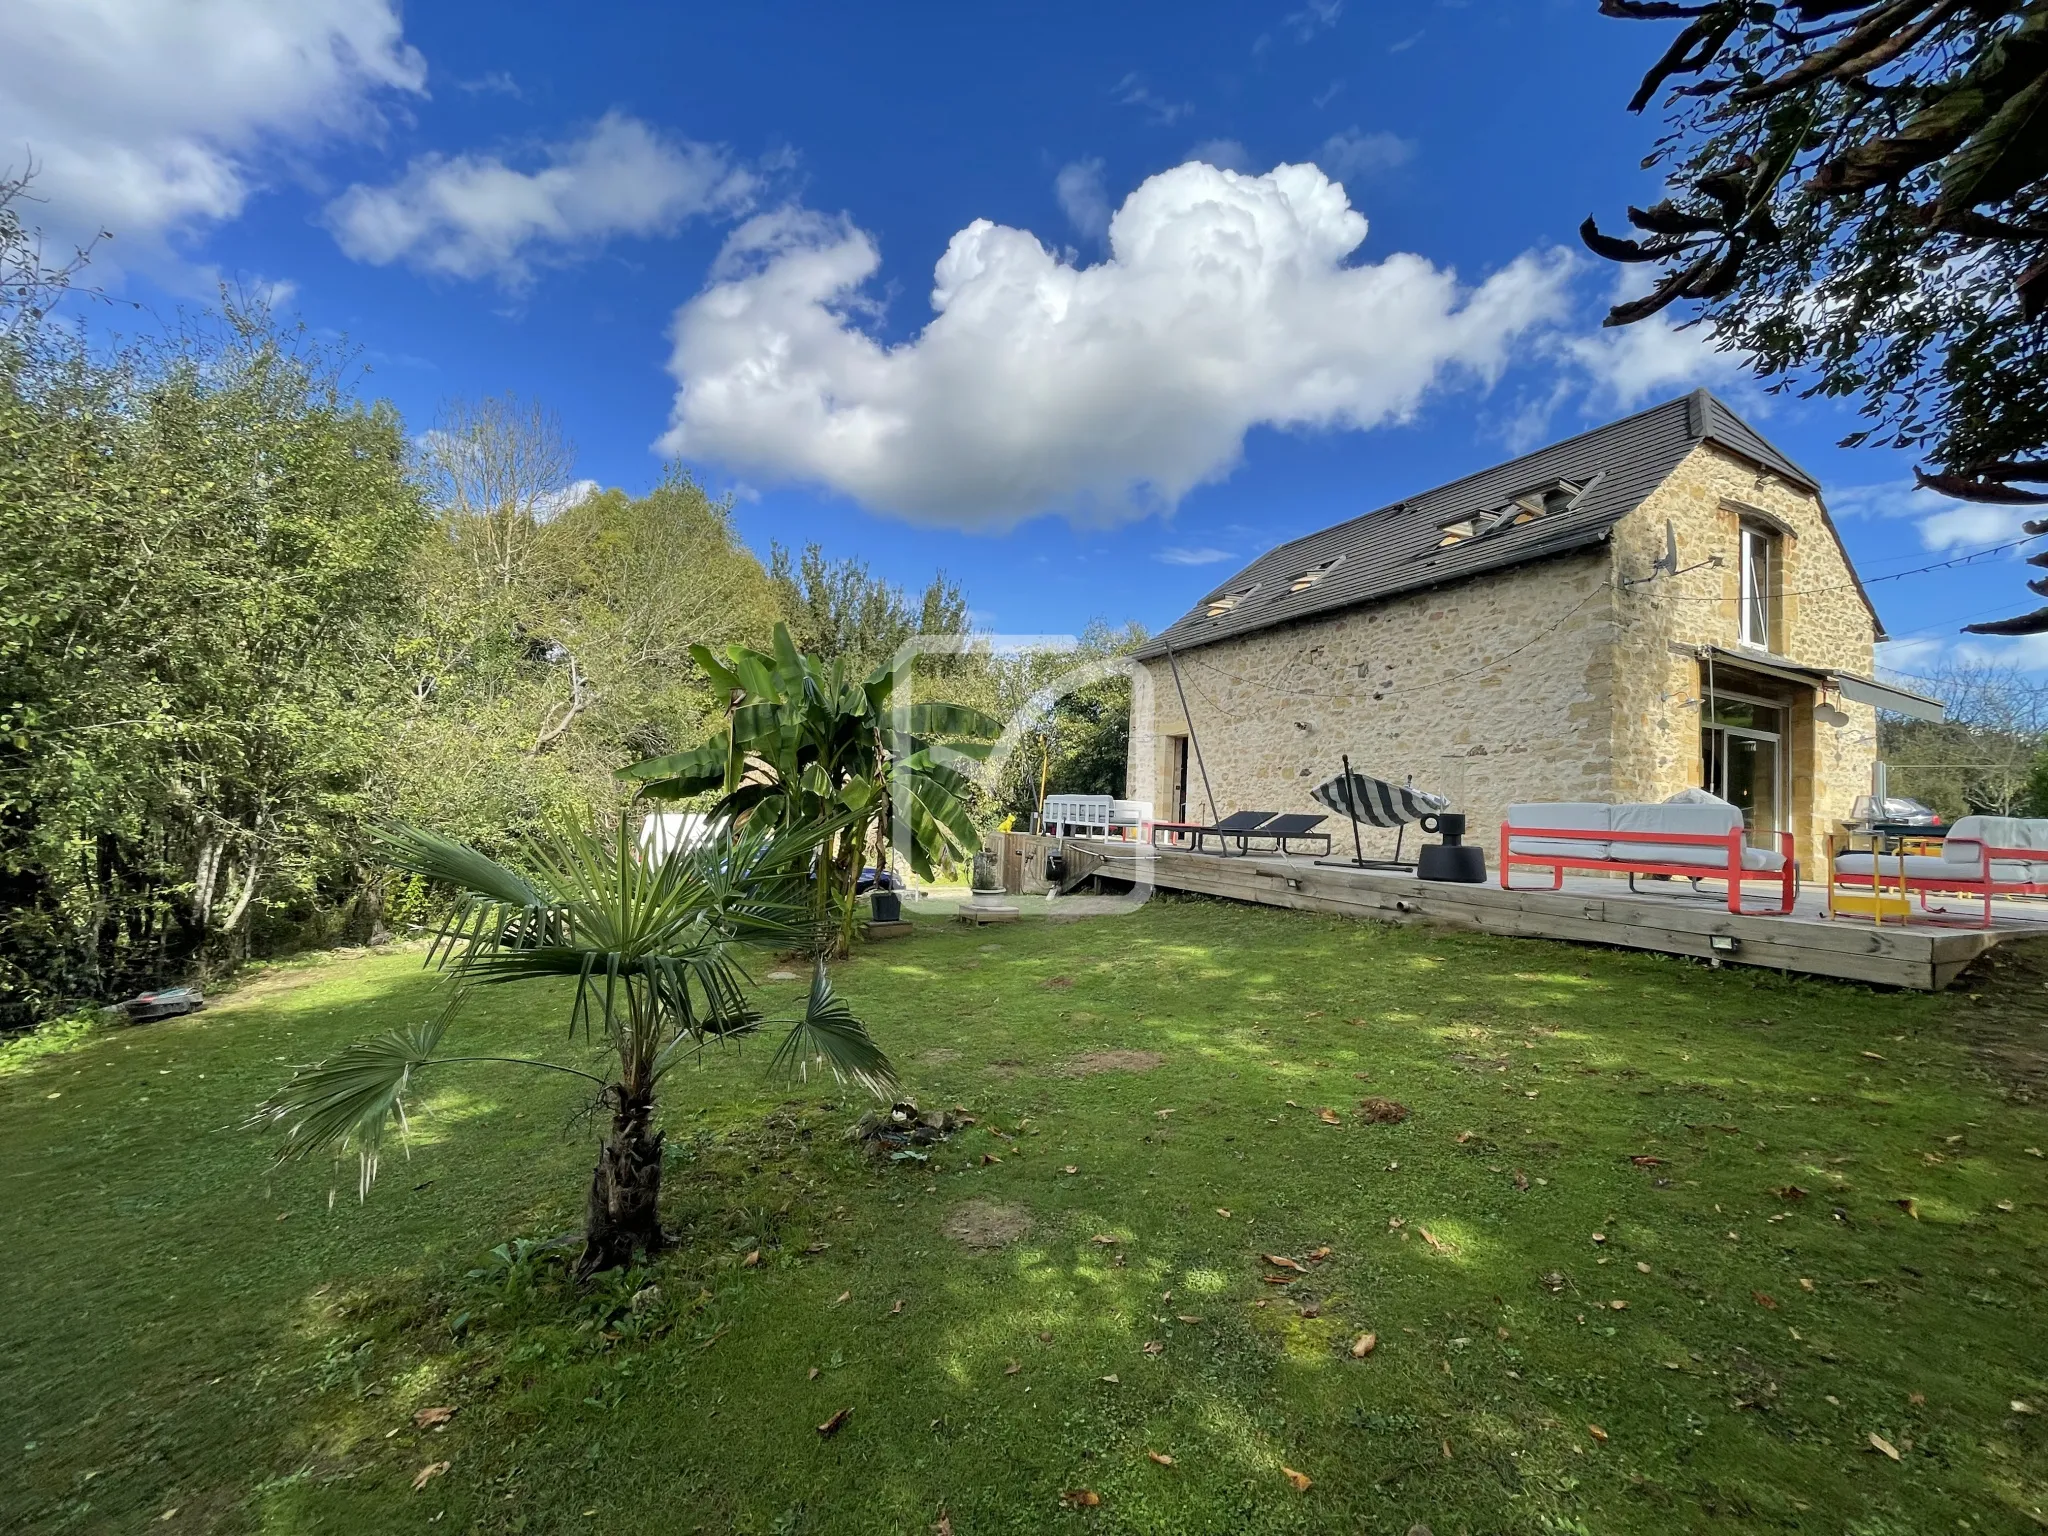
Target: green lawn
x=1589, y=1217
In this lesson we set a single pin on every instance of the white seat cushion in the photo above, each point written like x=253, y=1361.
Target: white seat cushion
x=1763, y=858
x=1919, y=866
x=1560, y=816
x=1692, y=820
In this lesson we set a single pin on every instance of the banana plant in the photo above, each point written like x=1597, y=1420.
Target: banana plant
x=653, y=948
x=805, y=744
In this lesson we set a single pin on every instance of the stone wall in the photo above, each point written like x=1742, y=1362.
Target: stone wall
x=1490, y=691
x=1572, y=678
x=1821, y=620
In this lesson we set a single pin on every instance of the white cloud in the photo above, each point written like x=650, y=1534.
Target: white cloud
x=554, y=503
x=155, y=121
x=1174, y=555
x=1351, y=154
x=1132, y=91
x=1944, y=523
x=1653, y=359
x=1101, y=392
x=476, y=216
x=1224, y=154
x=1086, y=205
x=1316, y=16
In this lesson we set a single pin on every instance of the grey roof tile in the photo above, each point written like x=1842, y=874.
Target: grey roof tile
x=1393, y=550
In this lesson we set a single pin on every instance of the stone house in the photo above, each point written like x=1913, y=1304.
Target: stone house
x=1659, y=603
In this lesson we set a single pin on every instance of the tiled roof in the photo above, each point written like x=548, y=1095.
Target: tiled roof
x=1393, y=550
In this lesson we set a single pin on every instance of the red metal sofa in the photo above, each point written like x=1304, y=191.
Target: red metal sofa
x=1983, y=856
x=1687, y=841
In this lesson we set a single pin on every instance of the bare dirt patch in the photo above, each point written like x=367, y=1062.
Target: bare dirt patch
x=1090, y=1062
x=939, y=1056
x=1005, y=1067
x=986, y=1225
x=1058, y=983
x=1383, y=1111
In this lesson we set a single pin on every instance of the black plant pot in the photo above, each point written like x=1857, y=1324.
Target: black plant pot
x=885, y=906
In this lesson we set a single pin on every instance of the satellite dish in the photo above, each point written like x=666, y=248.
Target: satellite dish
x=1668, y=566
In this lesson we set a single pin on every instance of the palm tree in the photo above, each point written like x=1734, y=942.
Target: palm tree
x=807, y=743
x=652, y=946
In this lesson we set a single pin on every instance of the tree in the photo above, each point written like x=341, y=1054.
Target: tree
x=837, y=609
x=202, y=544
x=1079, y=740
x=30, y=286
x=498, y=468
x=510, y=706
x=806, y=746
x=1984, y=756
x=652, y=949
x=1859, y=203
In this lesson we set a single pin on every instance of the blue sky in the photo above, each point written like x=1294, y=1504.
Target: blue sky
x=714, y=232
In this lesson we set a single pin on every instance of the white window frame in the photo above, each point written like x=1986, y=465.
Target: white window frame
x=1756, y=574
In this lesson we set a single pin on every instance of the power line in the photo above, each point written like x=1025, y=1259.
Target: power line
x=1845, y=586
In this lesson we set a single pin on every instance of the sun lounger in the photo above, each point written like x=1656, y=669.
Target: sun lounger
x=1237, y=826
x=1294, y=827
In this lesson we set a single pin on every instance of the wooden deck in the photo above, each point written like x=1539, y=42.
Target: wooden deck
x=1925, y=955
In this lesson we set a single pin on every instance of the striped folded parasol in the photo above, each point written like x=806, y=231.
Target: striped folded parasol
x=1376, y=802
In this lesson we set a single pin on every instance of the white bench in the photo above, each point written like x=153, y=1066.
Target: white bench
x=1689, y=841
x=1982, y=856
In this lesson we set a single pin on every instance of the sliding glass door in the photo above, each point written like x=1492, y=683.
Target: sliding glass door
x=1742, y=755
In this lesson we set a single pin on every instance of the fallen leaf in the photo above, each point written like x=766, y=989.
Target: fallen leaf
x=943, y=1527
x=1162, y=1113
x=751, y=1259
x=814, y=1249
x=2004, y=1205
x=1312, y=1309
x=1071, y=1168
x=1805, y=1284
x=1875, y=1057
x=1647, y=1162
x=1317, y=1255
x=1789, y=1192
x=1189, y=1319
x=1013, y=1367
x=1597, y=1433
x=1521, y=1179
x=1917, y=1399
x=1301, y=1480
x=1642, y=1268
x=1164, y=1461
x=1879, y=1443
x=1045, y=1338
x=814, y=1374
x=844, y=1296
x=1364, y=1345
x=1103, y=1237
x=1111, y=1379
x=1910, y=1206
x=1436, y=1243
x=1281, y=1261
x=897, y=1309
x=427, y=1418
x=1767, y=1302
x=989, y=1157
x=1223, y=1213
x=1081, y=1498
x=1599, y=1237
x=1463, y=1137
x=1619, y=1306
x=428, y=1473
x=1383, y=1111
x=1155, y=1346
x=831, y=1426
x=1279, y=1279
x=1329, y=1117
x=2020, y=1407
